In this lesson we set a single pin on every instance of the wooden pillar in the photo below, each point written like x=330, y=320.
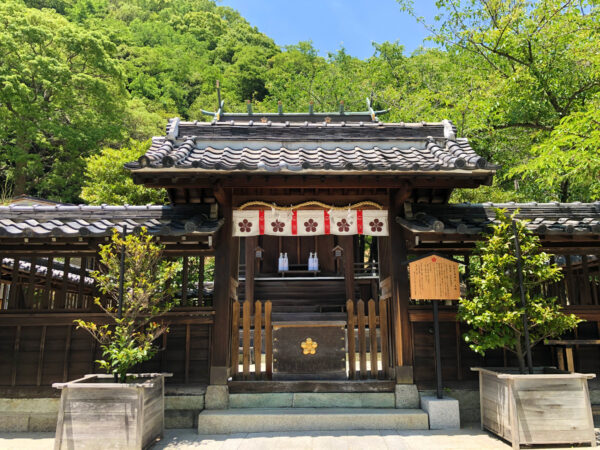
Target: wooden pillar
x=226, y=264
x=398, y=257
x=250, y=245
x=347, y=244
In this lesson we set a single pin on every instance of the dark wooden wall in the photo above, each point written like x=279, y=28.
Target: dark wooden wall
x=40, y=345
x=578, y=292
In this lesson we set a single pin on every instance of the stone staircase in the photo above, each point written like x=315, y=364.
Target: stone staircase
x=316, y=411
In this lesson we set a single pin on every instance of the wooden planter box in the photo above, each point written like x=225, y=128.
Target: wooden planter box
x=546, y=407
x=96, y=413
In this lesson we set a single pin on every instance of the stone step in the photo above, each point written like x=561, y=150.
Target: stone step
x=313, y=400
x=254, y=420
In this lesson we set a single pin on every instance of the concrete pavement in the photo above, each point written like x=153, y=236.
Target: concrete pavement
x=470, y=438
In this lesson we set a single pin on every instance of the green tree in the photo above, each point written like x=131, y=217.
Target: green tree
x=107, y=181
x=542, y=56
x=147, y=294
x=569, y=159
x=61, y=95
x=494, y=312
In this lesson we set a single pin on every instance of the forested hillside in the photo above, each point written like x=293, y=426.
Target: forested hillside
x=84, y=83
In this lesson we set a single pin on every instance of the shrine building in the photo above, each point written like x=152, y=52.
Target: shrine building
x=311, y=219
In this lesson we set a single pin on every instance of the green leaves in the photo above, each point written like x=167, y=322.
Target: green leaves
x=61, y=94
x=148, y=294
x=493, y=310
x=107, y=181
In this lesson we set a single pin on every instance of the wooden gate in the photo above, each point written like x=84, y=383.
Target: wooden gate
x=253, y=327
x=370, y=331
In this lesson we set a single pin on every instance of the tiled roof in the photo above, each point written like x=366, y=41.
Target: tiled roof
x=83, y=220
x=466, y=218
x=314, y=147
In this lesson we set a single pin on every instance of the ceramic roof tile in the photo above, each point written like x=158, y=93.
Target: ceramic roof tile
x=227, y=146
x=466, y=218
x=42, y=221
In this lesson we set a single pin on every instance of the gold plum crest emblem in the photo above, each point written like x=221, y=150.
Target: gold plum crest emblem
x=309, y=347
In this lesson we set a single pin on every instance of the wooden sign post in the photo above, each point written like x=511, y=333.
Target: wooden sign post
x=435, y=277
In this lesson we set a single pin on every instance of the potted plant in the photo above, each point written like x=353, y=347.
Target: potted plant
x=544, y=407
x=119, y=409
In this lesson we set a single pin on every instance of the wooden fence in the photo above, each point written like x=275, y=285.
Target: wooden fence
x=376, y=323
x=252, y=326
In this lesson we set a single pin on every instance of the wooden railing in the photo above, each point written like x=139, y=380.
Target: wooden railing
x=377, y=325
x=252, y=326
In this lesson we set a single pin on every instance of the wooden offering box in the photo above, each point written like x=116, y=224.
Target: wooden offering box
x=96, y=413
x=309, y=350
x=545, y=407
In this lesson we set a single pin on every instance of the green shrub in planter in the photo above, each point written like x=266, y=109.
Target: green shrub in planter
x=494, y=311
x=147, y=295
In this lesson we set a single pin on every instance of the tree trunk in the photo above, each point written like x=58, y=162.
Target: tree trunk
x=520, y=357
x=564, y=191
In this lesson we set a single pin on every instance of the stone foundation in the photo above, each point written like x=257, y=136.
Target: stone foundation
x=40, y=414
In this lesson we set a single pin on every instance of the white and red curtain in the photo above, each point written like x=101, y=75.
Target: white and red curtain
x=309, y=222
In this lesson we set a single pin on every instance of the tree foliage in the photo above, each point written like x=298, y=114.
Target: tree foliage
x=147, y=294
x=107, y=181
x=61, y=95
x=519, y=78
x=494, y=311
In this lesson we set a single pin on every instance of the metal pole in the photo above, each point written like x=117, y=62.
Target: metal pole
x=121, y=282
x=523, y=301
x=122, y=275
x=438, y=355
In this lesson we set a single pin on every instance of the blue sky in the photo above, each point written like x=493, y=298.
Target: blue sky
x=330, y=24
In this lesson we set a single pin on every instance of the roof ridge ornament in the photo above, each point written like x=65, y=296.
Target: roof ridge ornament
x=449, y=132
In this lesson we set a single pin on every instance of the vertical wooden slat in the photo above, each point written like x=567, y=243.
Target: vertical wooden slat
x=31, y=284
x=48, y=289
x=67, y=355
x=13, y=294
x=560, y=360
x=570, y=284
x=63, y=289
x=268, y=340
x=184, y=281
x=250, y=257
x=16, y=355
x=351, y=341
x=200, y=280
x=373, y=337
x=235, y=338
x=82, y=273
x=246, y=338
x=586, y=289
x=383, y=325
x=362, y=339
x=188, y=338
x=41, y=356
x=258, y=338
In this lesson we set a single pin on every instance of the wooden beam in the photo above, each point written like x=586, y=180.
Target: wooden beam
x=188, y=338
x=326, y=180
x=250, y=259
x=226, y=257
x=200, y=280
x=347, y=243
x=184, y=281
x=31, y=283
x=400, y=291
